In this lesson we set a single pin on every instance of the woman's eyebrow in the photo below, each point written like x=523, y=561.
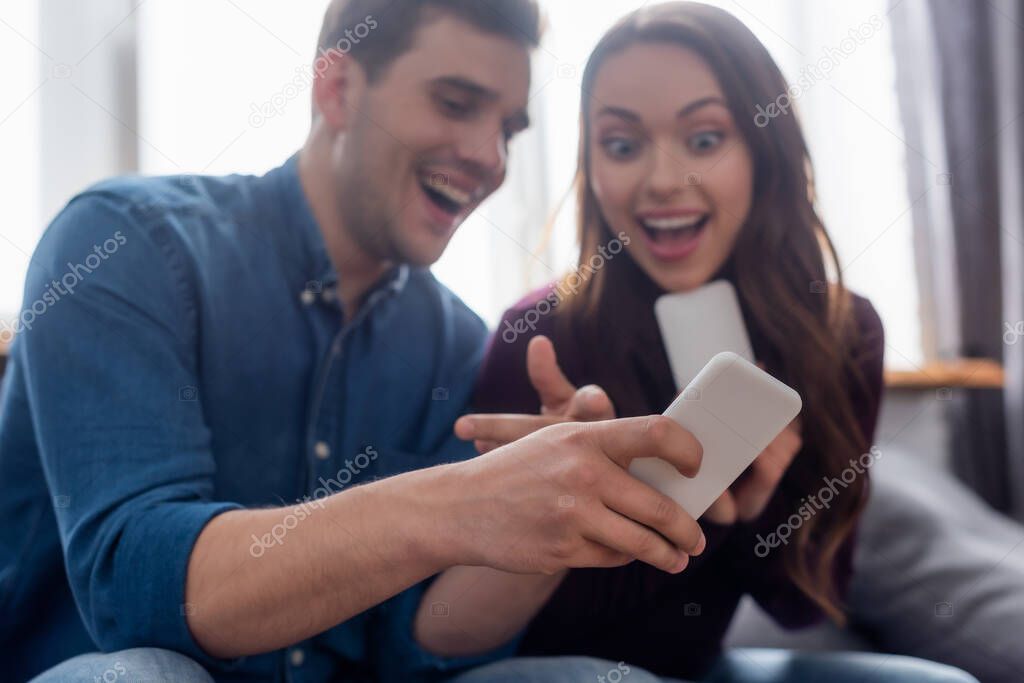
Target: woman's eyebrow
x=620, y=112
x=697, y=104
x=690, y=108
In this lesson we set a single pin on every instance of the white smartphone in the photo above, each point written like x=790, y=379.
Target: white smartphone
x=696, y=325
x=735, y=410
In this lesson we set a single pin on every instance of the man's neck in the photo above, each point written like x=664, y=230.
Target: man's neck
x=357, y=270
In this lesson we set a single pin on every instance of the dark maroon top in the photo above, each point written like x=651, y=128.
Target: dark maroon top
x=672, y=625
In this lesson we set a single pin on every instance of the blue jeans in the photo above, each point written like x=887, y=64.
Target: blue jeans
x=140, y=664
x=738, y=666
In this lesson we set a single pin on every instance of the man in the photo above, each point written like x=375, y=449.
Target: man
x=226, y=442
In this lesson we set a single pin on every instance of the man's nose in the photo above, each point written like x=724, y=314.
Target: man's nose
x=488, y=153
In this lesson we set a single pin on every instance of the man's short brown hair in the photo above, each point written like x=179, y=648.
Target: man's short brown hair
x=376, y=32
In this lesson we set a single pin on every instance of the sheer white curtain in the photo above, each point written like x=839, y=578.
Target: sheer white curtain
x=19, y=142
x=202, y=65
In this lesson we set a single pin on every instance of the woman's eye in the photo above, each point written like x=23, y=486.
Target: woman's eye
x=620, y=148
x=706, y=141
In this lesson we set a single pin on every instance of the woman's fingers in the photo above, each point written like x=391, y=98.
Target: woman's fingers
x=589, y=404
x=501, y=428
x=551, y=384
x=723, y=511
x=486, y=446
x=755, y=490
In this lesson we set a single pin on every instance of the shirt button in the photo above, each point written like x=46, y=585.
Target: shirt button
x=322, y=450
x=298, y=657
x=307, y=297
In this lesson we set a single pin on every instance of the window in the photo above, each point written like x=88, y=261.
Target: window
x=19, y=140
x=200, y=68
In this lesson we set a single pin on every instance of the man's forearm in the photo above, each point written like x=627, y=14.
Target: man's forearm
x=471, y=610
x=360, y=548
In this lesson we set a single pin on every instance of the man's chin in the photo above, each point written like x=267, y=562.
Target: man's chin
x=421, y=255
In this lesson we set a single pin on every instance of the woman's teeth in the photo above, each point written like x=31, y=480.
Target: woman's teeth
x=675, y=227
x=678, y=223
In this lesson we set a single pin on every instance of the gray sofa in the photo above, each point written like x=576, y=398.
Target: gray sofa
x=938, y=574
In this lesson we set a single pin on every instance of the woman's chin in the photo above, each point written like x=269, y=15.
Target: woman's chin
x=679, y=278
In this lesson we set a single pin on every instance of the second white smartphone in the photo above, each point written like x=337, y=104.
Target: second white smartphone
x=698, y=324
x=735, y=410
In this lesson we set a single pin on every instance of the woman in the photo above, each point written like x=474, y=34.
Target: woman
x=674, y=168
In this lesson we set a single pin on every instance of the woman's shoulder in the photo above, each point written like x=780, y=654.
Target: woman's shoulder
x=532, y=315
x=868, y=343
x=865, y=316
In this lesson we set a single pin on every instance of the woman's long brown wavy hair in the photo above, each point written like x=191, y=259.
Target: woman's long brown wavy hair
x=802, y=329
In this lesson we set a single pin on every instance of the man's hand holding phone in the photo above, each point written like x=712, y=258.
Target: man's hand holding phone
x=607, y=515
x=564, y=497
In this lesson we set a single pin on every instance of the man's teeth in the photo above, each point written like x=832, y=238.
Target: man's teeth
x=677, y=223
x=452, y=194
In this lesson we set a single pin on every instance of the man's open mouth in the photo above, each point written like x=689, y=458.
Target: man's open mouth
x=451, y=200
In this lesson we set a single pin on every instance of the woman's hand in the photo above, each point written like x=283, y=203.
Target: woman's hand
x=560, y=402
x=747, y=498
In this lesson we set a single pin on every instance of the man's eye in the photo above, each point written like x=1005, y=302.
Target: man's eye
x=455, y=107
x=620, y=148
x=706, y=141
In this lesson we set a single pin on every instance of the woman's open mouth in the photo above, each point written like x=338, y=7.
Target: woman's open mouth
x=674, y=237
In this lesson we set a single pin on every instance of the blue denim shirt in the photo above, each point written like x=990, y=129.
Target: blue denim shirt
x=183, y=353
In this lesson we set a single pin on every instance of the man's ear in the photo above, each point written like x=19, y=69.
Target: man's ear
x=337, y=84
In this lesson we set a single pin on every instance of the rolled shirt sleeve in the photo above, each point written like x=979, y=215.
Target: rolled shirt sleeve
x=118, y=413
x=398, y=657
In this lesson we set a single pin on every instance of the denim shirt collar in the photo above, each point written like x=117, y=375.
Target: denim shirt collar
x=306, y=241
